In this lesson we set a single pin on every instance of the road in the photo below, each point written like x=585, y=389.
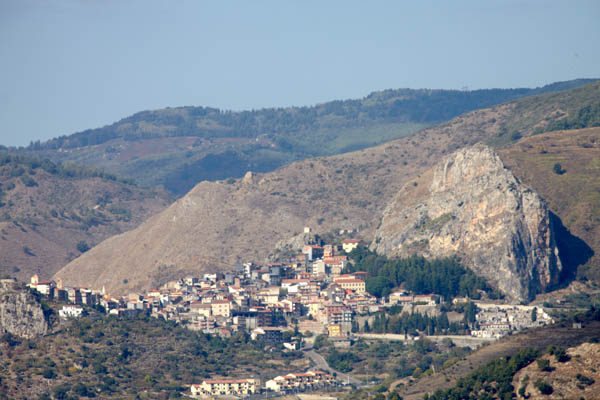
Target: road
x=459, y=340
x=322, y=365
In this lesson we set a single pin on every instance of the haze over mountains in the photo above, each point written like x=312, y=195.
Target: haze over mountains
x=179, y=147
x=220, y=223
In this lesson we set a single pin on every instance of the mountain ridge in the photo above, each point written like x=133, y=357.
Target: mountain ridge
x=179, y=147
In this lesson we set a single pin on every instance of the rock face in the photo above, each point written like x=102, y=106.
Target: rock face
x=20, y=312
x=470, y=205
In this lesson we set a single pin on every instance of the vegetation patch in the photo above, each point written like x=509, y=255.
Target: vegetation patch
x=442, y=276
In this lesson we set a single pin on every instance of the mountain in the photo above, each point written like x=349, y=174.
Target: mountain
x=218, y=224
x=471, y=206
x=51, y=213
x=179, y=147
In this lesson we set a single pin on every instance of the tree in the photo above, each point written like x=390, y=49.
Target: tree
x=82, y=246
x=558, y=169
x=544, y=387
x=366, y=327
x=534, y=314
x=470, y=312
x=544, y=365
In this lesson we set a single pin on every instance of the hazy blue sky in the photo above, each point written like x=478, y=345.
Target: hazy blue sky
x=69, y=65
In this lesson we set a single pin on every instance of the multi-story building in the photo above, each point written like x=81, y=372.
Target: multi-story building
x=355, y=285
x=222, y=387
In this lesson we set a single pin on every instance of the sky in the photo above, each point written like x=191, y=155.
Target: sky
x=71, y=65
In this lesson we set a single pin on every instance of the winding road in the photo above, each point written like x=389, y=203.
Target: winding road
x=322, y=365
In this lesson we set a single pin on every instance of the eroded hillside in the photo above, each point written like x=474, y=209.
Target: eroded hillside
x=48, y=218
x=221, y=223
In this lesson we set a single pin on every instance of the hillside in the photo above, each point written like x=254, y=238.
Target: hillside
x=179, y=147
x=559, y=335
x=50, y=214
x=571, y=190
x=574, y=378
x=218, y=224
x=146, y=358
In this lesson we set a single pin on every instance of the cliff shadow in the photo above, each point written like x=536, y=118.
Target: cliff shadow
x=572, y=251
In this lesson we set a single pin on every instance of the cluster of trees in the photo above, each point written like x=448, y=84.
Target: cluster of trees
x=19, y=165
x=443, y=276
x=406, y=323
x=342, y=361
x=403, y=105
x=586, y=117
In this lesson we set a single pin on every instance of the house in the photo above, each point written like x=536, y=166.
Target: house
x=355, y=285
x=123, y=312
x=43, y=287
x=334, y=330
x=202, y=323
x=339, y=316
x=328, y=250
x=267, y=334
x=362, y=275
x=74, y=295
x=70, y=311
x=429, y=299
x=222, y=387
x=291, y=345
x=201, y=308
x=350, y=244
x=312, y=251
x=402, y=300
x=300, y=381
x=221, y=308
x=318, y=267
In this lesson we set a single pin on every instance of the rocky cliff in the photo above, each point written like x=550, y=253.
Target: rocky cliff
x=472, y=206
x=21, y=314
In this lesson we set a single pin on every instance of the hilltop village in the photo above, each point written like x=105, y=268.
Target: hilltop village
x=308, y=294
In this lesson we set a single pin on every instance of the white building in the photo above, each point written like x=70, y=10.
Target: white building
x=70, y=311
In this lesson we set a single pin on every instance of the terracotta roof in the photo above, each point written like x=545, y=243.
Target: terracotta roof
x=217, y=381
x=340, y=281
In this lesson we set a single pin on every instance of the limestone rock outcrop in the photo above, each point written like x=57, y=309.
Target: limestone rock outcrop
x=21, y=313
x=471, y=206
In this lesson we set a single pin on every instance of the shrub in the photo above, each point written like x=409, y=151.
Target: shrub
x=82, y=246
x=585, y=380
x=28, y=181
x=544, y=387
x=544, y=364
x=48, y=373
x=558, y=169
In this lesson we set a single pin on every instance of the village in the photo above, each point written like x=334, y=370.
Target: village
x=308, y=294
